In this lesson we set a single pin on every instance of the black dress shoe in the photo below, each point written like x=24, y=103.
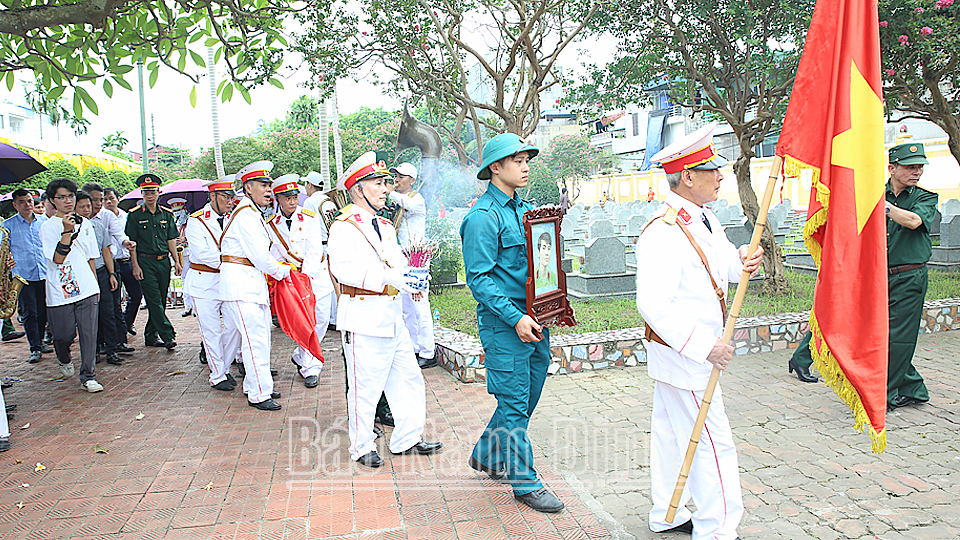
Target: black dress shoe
x=427, y=362
x=187, y=312
x=377, y=431
x=9, y=416
x=131, y=330
x=124, y=348
x=10, y=336
x=170, y=345
x=231, y=379
x=155, y=343
x=44, y=348
x=4, y=445
x=242, y=371
x=6, y=384
x=11, y=407
x=386, y=419
x=541, y=500
x=803, y=373
x=114, y=359
x=372, y=459
x=268, y=405
x=275, y=395
x=311, y=382
x=495, y=474
x=224, y=386
x=203, y=355
x=683, y=527
x=273, y=372
x=423, y=448
x=904, y=401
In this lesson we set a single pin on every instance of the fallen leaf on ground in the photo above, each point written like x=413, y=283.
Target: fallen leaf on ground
x=209, y=486
x=139, y=416
x=99, y=449
x=19, y=461
x=20, y=504
x=25, y=426
x=177, y=372
x=40, y=467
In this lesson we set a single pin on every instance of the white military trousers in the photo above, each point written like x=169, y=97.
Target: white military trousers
x=419, y=322
x=378, y=365
x=220, y=339
x=714, y=481
x=253, y=322
x=309, y=364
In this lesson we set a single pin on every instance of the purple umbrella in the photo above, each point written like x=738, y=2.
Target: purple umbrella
x=16, y=165
x=190, y=189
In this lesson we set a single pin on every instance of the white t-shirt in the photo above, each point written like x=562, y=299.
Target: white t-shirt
x=73, y=280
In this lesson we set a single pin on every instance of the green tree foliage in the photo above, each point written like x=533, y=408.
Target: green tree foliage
x=69, y=45
x=733, y=61
x=93, y=174
x=427, y=47
x=920, y=51
x=237, y=152
x=114, y=141
x=369, y=130
x=120, y=181
x=293, y=151
x=58, y=168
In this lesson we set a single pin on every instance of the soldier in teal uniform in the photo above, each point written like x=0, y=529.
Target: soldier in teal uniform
x=517, y=348
x=154, y=229
x=910, y=210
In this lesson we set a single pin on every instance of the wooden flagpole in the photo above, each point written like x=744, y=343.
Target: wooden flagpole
x=727, y=336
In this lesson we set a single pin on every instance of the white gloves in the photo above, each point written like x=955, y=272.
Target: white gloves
x=399, y=278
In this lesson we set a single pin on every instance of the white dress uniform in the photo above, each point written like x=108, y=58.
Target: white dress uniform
x=244, y=292
x=676, y=298
x=375, y=342
x=416, y=315
x=298, y=240
x=320, y=203
x=202, y=283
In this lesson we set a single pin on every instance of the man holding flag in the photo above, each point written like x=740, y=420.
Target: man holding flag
x=833, y=135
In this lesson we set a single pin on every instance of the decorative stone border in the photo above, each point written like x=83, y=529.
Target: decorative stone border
x=462, y=355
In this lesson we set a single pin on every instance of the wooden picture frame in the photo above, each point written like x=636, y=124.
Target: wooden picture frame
x=546, y=284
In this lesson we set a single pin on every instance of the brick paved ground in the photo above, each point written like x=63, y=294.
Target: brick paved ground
x=202, y=464
x=805, y=472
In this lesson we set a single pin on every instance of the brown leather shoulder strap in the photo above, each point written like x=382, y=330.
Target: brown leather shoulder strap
x=284, y=243
x=649, y=333
x=230, y=222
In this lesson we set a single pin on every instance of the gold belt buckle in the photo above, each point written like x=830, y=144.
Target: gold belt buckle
x=392, y=291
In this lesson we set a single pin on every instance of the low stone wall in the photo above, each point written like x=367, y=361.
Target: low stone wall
x=462, y=355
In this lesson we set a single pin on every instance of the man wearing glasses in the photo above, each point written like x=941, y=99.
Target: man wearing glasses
x=153, y=229
x=72, y=288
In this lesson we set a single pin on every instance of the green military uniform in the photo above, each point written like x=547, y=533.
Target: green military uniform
x=907, y=287
x=908, y=251
x=151, y=231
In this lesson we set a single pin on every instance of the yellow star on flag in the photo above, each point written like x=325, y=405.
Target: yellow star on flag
x=861, y=147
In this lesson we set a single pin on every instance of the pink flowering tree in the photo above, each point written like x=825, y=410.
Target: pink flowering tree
x=920, y=49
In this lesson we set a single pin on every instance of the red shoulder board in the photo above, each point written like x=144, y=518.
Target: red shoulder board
x=684, y=216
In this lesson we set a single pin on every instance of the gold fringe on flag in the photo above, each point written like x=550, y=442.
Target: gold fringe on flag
x=833, y=376
x=823, y=359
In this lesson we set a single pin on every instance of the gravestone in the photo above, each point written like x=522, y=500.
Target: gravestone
x=623, y=215
x=935, y=223
x=602, y=227
x=723, y=214
x=951, y=207
x=635, y=224
x=722, y=203
x=950, y=231
x=604, y=256
x=567, y=226
x=740, y=233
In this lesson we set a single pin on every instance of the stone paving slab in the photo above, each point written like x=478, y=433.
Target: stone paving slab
x=203, y=464
x=805, y=472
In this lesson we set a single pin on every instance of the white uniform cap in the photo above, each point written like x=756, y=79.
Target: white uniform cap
x=258, y=170
x=314, y=178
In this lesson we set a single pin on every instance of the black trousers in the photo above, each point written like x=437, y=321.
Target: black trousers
x=125, y=268
x=118, y=316
x=106, y=316
x=33, y=304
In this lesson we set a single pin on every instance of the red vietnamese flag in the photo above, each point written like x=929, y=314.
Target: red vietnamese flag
x=833, y=136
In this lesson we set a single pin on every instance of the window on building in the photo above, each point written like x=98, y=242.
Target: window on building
x=17, y=124
x=636, y=124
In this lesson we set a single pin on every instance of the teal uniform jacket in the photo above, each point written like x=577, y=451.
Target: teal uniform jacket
x=495, y=259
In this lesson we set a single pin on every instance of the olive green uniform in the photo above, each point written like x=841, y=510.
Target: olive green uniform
x=906, y=289
x=151, y=231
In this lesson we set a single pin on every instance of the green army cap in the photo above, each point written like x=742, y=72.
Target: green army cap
x=148, y=181
x=908, y=154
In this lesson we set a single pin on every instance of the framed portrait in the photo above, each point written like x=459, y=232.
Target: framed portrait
x=546, y=283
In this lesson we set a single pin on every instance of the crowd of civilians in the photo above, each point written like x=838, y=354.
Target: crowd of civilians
x=70, y=247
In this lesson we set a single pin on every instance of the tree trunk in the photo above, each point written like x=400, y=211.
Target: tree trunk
x=775, y=278
x=951, y=125
x=335, y=126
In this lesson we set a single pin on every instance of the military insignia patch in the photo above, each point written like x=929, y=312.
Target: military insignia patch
x=670, y=217
x=913, y=148
x=684, y=216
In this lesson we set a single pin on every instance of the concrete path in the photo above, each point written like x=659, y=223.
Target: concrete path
x=202, y=464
